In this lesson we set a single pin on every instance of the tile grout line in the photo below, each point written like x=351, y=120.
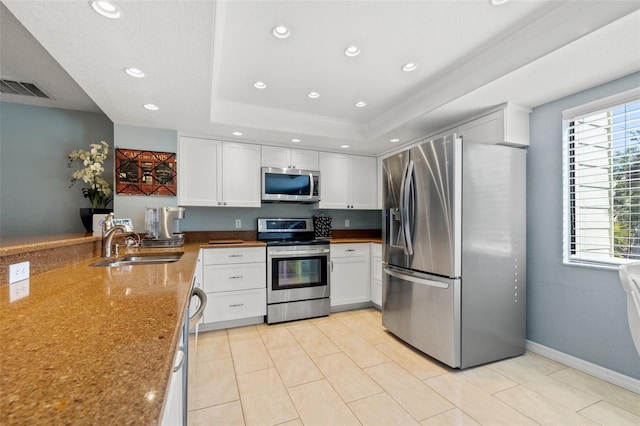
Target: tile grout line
x=275, y=366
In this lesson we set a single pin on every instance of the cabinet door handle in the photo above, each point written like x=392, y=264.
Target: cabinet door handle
x=235, y=255
x=350, y=250
x=180, y=363
x=236, y=305
x=332, y=266
x=236, y=277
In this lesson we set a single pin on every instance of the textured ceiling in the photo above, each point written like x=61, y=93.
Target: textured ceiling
x=201, y=59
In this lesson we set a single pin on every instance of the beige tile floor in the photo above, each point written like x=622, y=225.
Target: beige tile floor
x=346, y=369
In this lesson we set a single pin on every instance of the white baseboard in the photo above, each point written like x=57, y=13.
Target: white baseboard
x=605, y=374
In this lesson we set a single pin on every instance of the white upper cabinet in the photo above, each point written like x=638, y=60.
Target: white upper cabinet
x=334, y=181
x=285, y=158
x=215, y=173
x=347, y=181
x=199, y=172
x=508, y=126
x=240, y=175
x=364, y=183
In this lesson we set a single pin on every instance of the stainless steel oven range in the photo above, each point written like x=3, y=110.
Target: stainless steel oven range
x=297, y=270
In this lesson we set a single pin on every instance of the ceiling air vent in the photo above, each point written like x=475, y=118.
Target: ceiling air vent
x=21, y=88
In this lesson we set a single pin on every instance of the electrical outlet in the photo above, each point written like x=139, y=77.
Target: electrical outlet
x=18, y=272
x=238, y=223
x=18, y=290
x=347, y=223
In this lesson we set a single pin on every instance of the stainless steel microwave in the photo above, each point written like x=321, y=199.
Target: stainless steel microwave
x=293, y=185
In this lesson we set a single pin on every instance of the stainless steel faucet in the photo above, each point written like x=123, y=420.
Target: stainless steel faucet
x=107, y=237
x=108, y=231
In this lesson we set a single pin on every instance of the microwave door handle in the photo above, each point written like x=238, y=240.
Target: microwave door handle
x=312, y=185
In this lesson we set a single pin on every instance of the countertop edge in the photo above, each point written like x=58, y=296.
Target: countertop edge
x=46, y=243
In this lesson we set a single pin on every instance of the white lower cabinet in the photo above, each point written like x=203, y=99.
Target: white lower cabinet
x=234, y=305
x=350, y=274
x=234, y=280
x=376, y=274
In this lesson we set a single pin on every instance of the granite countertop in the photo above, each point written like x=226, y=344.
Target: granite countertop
x=93, y=345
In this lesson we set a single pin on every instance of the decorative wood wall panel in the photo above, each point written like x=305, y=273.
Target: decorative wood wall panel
x=146, y=172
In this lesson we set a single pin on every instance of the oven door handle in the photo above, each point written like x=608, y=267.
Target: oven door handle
x=287, y=253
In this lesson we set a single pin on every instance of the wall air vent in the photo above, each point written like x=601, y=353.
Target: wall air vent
x=21, y=88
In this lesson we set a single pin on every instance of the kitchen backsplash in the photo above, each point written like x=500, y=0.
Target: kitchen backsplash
x=224, y=219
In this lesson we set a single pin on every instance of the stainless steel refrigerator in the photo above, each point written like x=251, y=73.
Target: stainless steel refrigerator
x=454, y=250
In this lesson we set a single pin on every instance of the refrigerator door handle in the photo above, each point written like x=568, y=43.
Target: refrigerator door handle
x=406, y=222
x=414, y=279
x=402, y=190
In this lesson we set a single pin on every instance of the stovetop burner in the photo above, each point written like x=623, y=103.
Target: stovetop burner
x=287, y=232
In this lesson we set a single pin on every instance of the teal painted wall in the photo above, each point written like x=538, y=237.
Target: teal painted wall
x=142, y=138
x=579, y=311
x=34, y=178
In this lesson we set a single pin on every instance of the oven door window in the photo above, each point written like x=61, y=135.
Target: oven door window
x=299, y=272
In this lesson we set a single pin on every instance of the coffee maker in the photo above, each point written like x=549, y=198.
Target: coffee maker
x=159, y=227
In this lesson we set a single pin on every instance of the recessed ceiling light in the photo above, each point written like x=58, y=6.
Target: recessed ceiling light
x=314, y=95
x=260, y=85
x=344, y=146
x=352, y=51
x=296, y=140
x=280, y=31
x=151, y=107
x=394, y=140
x=409, y=66
x=236, y=133
x=106, y=9
x=498, y=2
x=361, y=104
x=134, y=72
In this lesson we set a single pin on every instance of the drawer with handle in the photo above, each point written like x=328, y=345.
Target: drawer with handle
x=349, y=250
x=222, y=256
x=235, y=305
x=234, y=277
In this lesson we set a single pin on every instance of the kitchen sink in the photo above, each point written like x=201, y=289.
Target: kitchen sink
x=139, y=259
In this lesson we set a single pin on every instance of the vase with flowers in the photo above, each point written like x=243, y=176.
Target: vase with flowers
x=98, y=190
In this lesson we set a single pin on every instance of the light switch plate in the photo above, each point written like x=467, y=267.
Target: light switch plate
x=347, y=223
x=18, y=272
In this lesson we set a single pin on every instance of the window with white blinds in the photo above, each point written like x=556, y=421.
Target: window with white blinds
x=602, y=182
